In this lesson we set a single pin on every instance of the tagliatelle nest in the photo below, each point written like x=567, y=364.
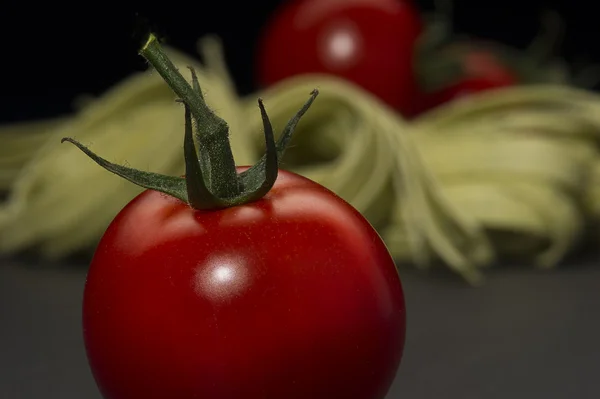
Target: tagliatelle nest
x=512, y=172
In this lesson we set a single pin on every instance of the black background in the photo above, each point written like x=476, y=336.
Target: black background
x=52, y=52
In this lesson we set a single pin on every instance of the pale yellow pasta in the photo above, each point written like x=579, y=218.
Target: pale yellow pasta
x=513, y=172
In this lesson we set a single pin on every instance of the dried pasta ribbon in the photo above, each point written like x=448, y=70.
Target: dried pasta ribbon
x=509, y=173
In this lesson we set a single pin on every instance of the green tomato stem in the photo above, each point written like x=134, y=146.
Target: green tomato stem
x=213, y=132
x=211, y=180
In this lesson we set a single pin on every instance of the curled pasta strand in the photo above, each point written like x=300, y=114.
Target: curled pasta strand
x=507, y=173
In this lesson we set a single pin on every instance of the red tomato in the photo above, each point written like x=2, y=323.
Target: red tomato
x=484, y=70
x=291, y=296
x=460, y=89
x=480, y=71
x=369, y=42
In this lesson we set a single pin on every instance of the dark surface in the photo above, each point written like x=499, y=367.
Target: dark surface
x=525, y=334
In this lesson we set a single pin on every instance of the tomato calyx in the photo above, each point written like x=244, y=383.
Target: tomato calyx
x=211, y=180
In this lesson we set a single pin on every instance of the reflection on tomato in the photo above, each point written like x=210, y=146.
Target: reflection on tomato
x=291, y=296
x=369, y=42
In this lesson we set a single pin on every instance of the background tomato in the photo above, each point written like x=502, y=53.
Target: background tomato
x=291, y=296
x=486, y=67
x=451, y=65
x=369, y=42
x=476, y=71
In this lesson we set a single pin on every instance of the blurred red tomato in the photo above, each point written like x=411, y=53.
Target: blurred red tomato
x=369, y=42
x=484, y=70
x=479, y=71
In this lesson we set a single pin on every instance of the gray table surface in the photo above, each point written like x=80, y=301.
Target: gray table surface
x=525, y=334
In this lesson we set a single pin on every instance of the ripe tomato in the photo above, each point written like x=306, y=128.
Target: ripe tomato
x=460, y=89
x=486, y=68
x=369, y=42
x=478, y=71
x=291, y=296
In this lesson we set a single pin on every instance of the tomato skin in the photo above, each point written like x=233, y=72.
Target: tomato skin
x=486, y=71
x=369, y=42
x=480, y=71
x=291, y=296
x=462, y=88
